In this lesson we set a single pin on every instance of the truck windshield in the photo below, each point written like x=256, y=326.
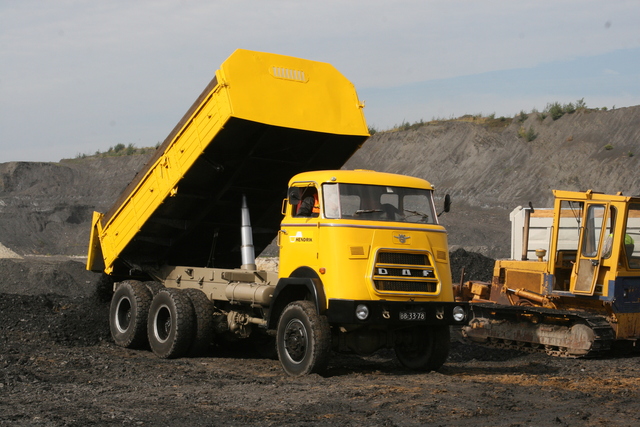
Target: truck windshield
x=378, y=203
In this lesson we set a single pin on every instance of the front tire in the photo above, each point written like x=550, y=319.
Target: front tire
x=171, y=324
x=423, y=348
x=128, y=314
x=303, y=339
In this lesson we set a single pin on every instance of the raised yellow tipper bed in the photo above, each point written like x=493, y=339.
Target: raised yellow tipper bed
x=262, y=119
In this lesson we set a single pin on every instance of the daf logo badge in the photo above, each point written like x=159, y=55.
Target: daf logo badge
x=402, y=238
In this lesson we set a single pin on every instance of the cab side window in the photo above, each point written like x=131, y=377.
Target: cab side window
x=309, y=205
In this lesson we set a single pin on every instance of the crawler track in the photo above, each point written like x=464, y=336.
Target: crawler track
x=562, y=333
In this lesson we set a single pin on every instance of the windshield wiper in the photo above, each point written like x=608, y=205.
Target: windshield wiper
x=424, y=216
x=359, y=211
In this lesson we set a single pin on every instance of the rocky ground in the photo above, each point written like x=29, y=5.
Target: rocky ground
x=59, y=366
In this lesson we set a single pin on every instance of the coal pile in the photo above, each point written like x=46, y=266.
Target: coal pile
x=43, y=276
x=53, y=300
x=475, y=266
x=81, y=321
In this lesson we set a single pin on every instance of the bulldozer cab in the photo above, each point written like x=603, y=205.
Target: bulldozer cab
x=593, y=241
x=581, y=295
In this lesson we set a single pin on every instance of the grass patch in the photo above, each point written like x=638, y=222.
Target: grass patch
x=527, y=134
x=119, y=150
x=553, y=109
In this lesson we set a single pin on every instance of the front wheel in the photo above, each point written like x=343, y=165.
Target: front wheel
x=303, y=339
x=423, y=348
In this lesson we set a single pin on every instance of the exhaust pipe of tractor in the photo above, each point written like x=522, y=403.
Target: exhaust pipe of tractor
x=525, y=232
x=247, y=251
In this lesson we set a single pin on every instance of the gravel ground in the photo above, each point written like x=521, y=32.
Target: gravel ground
x=59, y=366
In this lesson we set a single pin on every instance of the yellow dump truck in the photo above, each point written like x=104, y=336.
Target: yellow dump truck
x=363, y=260
x=580, y=295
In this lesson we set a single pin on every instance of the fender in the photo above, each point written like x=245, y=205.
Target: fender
x=303, y=284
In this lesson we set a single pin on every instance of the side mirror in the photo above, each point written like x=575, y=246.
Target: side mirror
x=294, y=196
x=447, y=204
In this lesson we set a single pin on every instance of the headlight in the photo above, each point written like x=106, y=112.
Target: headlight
x=458, y=313
x=362, y=312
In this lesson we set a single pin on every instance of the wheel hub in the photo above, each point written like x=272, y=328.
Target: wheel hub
x=162, y=324
x=295, y=340
x=123, y=315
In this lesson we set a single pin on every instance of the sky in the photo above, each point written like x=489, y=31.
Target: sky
x=80, y=76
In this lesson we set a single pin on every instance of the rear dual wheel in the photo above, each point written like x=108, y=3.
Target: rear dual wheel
x=203, y=326
x=154, y=287
x=128, y=314
x=171, y=324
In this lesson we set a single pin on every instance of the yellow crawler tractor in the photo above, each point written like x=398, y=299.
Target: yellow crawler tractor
x=580, y=297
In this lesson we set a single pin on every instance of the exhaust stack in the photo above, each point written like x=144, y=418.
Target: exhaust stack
x=525, y=232
x=247, y=251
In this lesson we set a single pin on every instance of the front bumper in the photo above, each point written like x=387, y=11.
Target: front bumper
x=393, y=313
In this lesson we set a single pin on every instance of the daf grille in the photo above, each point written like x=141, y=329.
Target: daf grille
x=404, y=272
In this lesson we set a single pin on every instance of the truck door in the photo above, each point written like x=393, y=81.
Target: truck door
x=587, y=265
x=298, y=238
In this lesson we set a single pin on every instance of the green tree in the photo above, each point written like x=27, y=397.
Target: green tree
x=555, y=110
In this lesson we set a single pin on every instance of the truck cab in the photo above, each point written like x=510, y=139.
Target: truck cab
x=376, y=236
x=367, y=249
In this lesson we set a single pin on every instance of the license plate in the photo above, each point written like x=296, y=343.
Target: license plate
x=413, y=315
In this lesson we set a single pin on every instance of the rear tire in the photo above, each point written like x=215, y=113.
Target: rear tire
x=171, y=325
x=303, y=339
x=424, y=348
x=154, y=287
x=128, y=314
x=203, y=322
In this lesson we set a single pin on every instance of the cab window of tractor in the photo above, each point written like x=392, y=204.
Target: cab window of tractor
x=632, y=236
x=568, y=232
x=592, y=230
x=569, y=225
x=609, y=230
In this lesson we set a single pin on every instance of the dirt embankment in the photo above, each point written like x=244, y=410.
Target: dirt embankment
x=46, y=208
